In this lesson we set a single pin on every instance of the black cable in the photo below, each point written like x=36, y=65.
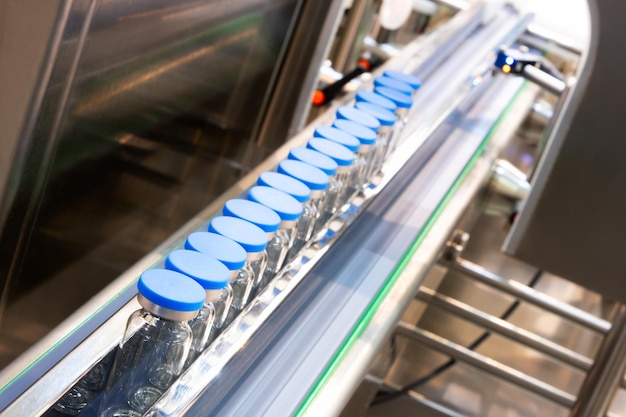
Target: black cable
x=442, y=368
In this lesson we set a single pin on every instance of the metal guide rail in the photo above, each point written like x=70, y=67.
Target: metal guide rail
x=96, y=328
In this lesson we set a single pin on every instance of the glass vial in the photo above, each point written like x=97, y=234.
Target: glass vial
x=155, y=345
x=326, y=165
x=233, y=256
x=289, y=210
x=387, y=120
x=254, y=241
x=316, y=181
x=213, y=276
x=367, y=138
x=332, y=203
x=341, y=137
x=86, y=389
x=403, y=103
x=267, y=220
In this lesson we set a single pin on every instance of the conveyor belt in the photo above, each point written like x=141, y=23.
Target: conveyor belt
x=346, y=281
x=284, y=360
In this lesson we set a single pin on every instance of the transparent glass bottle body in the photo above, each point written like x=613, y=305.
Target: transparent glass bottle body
x=377, y=157
x=398, y=127
x=329, y=203
x=277, y=248
x=202, y=325
x=306, y=225
x=222, y=305
x=151, y=356
x=242, y=288
x=343, y=176
x=86, y=389
x=354, y=181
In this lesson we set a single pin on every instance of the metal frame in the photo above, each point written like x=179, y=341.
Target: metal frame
x=505, y=328
x=571, y=223
x=352, y=369
x=484, y=363
x=605, y=372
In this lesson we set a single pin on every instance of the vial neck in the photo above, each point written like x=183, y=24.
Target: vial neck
x=165, y=313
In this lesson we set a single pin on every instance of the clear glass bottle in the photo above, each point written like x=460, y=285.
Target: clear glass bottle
x=346, y=139
x=388, y=82
x=344, y=158
x=326, y=165
x=386, y=132
x=266, y=219
x=213, y=276
x=155, y=345
x=254, y=241
x=86, y=389
x=289, y=210
x=367, y=138
x=409, y=79
x=387, y=119
x=403, y=103
x=233, y=256
x=316, y=181
x=302, y=193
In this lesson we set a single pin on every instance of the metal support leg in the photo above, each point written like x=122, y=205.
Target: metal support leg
x=598, y=389
x=488, y=365
x=505, y=328
x=525, y=293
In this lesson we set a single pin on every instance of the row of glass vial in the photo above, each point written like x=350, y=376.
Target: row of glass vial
x=321, y=177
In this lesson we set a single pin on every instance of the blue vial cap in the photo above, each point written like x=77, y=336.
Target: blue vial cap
x=405, y=78
x=313, y=177
x=394, y=84
x=287, y=184
x=365, y=135
x=374, y=98
x=384, y=116
x=399, y=99
x=171, y=290
x=205, y=270
x=225, y=250
x=252, y=238
x=339, y=136
x=287, y=207
x=358, y=116
x=339, y=153
x=317, y=159
x=255, y=213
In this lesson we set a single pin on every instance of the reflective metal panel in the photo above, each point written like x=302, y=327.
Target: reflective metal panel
x=572, y=222
x=144, y=120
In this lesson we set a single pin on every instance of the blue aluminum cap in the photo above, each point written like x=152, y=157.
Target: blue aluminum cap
x=205, y=270
x=252, y=238
x=384, y=116
x=394, y=84
x=287, y=207
x=225, y=250
x=405, y=78
x=339, y=136
x=399, y=99
x=315, y=158
x=374, y=98
x=255, y=213
x=313, y=177
x=358, y=116
x=339, y=153
x=171, y=290
x=365, y=135
x=287, y=184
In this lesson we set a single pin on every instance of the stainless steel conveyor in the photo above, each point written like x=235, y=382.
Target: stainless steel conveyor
x=284, y=350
